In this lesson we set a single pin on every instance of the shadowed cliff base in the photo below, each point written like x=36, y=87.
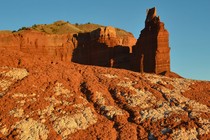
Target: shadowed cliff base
x=92, y=52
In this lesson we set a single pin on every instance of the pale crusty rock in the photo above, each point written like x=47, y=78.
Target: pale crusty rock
x=175, y=95
x=16, y=73
x=17, y=112
x=31, y=129
x=143, y=99
x=110, y=76
x=22, y=98
x=182, y=133
x=13, y=75
x=48, y=111
x=5, y=84
x=162, y=112
x=100, y=99
x=69, y=124
x=19, y=95
x=205, y=126
x=4, y=130
x=83, y=118
x=60, y=90
x=110, y=111
x=84, y=100
x=197, y=107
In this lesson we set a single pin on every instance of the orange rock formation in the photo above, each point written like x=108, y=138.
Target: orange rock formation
x=98, y=47
x=38, y=43
x=152, y=47
x=105, y=46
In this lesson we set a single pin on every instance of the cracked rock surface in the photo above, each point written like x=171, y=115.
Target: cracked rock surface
x=46, y=99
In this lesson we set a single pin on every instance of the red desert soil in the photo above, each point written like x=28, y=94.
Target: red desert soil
x=41, y=98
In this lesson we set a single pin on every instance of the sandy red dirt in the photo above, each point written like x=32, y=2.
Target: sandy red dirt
x=41, y=98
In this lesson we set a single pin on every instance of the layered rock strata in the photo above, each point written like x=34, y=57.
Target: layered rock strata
x=152, y=48
x=104, y=46
x=37, y=43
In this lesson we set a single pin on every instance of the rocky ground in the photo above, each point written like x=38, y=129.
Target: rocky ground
x=41, y=98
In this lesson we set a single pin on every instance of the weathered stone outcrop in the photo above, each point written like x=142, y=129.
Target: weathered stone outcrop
x=152, y=48
x=103, y=46
x=111, y=37
x=38, y=43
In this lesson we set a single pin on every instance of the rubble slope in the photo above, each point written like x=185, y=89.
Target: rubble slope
x=42, y=98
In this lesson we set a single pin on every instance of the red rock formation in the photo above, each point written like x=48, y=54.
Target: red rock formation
x=111, y=37
x=153, y=44
x=38, y=43
x=98, y=47
x=104, y=47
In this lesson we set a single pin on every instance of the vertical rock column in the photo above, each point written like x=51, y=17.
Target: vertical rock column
x=153, y=44
x=162, y=58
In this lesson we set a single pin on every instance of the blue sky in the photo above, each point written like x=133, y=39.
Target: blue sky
x=188, y=22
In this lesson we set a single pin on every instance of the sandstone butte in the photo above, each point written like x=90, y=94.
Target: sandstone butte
x=96, y=47
x=102, y=46
x=46, y=91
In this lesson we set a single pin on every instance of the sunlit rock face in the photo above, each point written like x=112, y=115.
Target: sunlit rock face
x=56, y=46
x=105, y=46
x=152, y=51
x=101, y=46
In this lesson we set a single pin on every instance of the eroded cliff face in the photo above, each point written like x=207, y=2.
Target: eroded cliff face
x=103, y=46
x=152, y=48
x=112, y=38
x=38, y=43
